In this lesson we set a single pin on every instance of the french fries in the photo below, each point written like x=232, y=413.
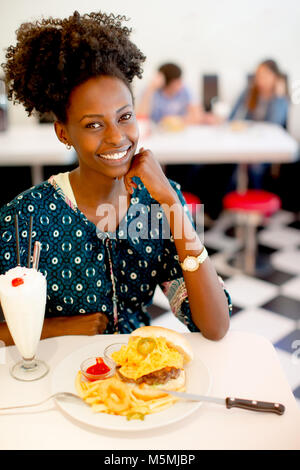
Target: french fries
x=115, y=397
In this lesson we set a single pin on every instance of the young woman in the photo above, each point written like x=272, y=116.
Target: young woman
x=266, y=99
x=107, y=232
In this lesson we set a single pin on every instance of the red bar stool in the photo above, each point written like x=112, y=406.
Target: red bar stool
x=251, y=209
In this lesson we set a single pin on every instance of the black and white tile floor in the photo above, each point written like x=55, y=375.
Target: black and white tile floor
x=268, y=304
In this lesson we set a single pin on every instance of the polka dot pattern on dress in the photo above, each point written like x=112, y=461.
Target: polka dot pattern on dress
x=87, y=273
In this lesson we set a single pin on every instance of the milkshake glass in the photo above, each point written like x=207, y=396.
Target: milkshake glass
x=23, y=293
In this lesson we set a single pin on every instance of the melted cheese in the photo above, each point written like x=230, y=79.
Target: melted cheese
x=135, y=365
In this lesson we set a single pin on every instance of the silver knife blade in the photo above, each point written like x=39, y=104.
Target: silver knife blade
x=195, y=397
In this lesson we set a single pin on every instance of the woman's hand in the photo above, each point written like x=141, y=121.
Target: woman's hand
x=87, y=324
x=147, y=168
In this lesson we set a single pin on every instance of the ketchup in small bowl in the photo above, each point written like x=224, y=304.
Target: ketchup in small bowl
x=97, y=368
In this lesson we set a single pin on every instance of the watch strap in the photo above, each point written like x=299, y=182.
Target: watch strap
x=203, y=255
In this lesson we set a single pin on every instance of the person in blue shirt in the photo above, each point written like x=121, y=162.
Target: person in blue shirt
x=115, y=227
x=168, y=96
x=266, y=99
x=173, y=98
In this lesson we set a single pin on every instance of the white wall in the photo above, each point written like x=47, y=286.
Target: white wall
x=226, y=37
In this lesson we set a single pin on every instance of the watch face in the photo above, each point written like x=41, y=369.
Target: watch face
x=190, y=263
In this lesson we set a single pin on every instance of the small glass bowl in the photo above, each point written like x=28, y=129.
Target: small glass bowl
x=92, y=361
x=112, y=348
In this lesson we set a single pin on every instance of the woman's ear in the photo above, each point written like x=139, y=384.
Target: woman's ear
x=61, y=132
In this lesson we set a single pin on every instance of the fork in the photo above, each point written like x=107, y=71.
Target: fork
x=55, y=395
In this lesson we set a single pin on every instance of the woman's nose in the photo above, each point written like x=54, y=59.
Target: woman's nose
x=113, y=135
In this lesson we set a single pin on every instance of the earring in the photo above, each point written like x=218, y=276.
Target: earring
x=69, y=146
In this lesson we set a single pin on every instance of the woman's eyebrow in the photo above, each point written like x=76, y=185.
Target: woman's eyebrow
x=102, y=115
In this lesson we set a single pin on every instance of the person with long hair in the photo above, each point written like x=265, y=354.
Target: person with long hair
x=108, y=229
x=265, y=100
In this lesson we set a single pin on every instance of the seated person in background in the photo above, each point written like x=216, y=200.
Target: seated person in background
x=167, y=96
x=265, y=100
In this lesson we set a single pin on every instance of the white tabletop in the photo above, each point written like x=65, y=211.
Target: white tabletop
x=241, y=365
x=35, y=144
x=257, y=142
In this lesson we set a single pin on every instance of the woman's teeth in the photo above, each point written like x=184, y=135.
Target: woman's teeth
x=114, y=156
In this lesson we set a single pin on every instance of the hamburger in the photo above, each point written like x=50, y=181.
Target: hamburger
x=154, y=359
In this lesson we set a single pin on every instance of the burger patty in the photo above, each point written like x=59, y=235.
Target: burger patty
x=159, y=376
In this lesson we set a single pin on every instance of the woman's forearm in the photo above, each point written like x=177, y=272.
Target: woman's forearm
x=208, y=302
x=50, y=328
x=5, y=335
x=87, y=324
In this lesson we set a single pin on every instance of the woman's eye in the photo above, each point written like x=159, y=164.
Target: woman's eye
x=93, y=125
x=126, y=117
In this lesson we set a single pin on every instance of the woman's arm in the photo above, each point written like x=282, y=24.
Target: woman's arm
x=278, y=110
x=88, y=324
x=207, y=299
x=5, y=335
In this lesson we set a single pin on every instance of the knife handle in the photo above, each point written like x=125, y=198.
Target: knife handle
x=255, y=405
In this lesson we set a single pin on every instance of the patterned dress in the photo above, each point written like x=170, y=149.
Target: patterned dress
x=90, y=271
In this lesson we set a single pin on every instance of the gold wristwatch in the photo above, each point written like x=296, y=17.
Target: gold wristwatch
x=192, y=263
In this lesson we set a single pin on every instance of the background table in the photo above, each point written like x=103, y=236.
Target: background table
x=34, y=145
x=37, y=145
x=255, y=143
x=241, y=364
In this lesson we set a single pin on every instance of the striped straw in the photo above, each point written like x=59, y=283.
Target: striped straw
x=29, y=242
x=17, y=239
x=36, y=255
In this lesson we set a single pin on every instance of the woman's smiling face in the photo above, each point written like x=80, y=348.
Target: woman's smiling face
x=101, y=125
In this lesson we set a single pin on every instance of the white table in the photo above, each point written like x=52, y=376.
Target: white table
x=241, y=364
x=255, y=143
x=34, y=145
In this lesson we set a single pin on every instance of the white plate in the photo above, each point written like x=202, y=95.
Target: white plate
x=63, y=379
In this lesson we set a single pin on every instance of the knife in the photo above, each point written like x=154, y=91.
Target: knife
x=229, y=402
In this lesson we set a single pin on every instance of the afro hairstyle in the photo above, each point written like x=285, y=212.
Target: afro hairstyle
x=53, y=56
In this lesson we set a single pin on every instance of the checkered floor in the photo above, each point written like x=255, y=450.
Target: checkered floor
x=268, y=303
